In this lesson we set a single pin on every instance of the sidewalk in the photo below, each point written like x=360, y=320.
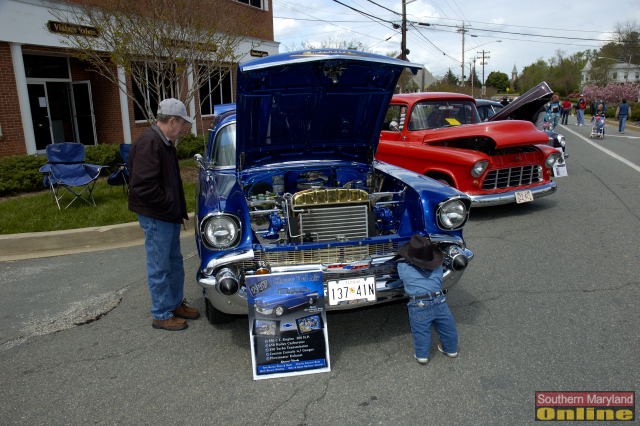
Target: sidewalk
x=32, y=245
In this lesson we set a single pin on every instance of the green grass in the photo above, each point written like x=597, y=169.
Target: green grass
x=37, y=212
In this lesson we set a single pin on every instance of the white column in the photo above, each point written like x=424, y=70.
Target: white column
x=23, y=97
x=192, y=103
x=124, y=105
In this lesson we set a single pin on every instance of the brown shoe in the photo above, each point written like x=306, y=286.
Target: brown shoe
x=186, y=312
x=171, y=324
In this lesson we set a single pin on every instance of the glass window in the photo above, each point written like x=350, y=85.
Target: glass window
x=436, y=114
x=154, y=89
x=218, y=89
x=394, y=120
x=254, y=3
x=37, y=66
x=224, y=147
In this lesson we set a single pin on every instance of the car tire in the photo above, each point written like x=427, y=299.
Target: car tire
x=279, y=310
x=215, y=316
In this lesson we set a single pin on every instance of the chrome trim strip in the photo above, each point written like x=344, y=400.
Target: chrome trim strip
x=230, y=258
x=510, y=196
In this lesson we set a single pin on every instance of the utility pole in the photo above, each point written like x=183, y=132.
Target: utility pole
x=462, y=31
x=403, y=43
x=472, y=73
x=485, y=55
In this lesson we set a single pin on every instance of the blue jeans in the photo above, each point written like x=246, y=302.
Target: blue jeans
x=622, y=122
x=580, y=116
x=424, y=313
x=165, y=270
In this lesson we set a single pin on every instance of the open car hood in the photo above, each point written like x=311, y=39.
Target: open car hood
x=527, y=106
x=314, y=104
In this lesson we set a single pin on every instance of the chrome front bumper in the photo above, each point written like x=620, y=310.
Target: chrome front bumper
x=510, y=196
x=388, y=289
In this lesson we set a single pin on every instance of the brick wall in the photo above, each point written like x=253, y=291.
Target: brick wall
x=12, y=139
x=240, y=17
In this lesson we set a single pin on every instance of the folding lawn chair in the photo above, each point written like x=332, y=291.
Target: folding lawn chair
x=66, y=172
x=121, y=175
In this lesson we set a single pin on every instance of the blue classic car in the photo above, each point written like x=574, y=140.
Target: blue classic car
x=288, y=183
x=284, y=300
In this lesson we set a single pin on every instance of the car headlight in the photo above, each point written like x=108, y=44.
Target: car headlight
x=552, y=159
x=220, y=231
x=479, y=167
x=452, y=214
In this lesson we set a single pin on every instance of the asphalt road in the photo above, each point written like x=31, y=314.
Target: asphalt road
x=550, y=302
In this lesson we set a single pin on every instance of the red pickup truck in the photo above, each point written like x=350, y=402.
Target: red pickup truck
x=441, y=135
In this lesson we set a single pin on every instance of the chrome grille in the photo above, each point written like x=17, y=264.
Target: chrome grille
x=345, y=223
x=512, y=177
x=322, y=256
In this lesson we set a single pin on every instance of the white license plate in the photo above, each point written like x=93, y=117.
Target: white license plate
x=361, y=289
x=524, y=196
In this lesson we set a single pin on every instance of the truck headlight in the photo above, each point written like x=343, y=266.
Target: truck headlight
x=452, y=214
x=220, y=231
x=479, y=167
x=552, y=159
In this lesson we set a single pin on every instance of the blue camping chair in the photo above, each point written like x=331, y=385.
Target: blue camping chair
x=121, y=175
x=66, y=172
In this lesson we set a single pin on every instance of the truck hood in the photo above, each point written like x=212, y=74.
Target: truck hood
x=504, y=134
x=527, y=106
x=313, y=104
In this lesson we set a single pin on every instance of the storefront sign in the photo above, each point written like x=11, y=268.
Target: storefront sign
x=287, y=324
x=258, y=53
x=72, y=29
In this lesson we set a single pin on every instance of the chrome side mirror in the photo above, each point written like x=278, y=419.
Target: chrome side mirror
x=199, y=159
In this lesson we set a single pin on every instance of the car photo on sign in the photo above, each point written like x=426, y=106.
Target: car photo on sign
x=284, y=300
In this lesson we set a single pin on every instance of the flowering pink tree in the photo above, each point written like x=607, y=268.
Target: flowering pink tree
x=614, y=92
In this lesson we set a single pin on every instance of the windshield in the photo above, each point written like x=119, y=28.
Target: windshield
x=224, y=147
x=442, y=113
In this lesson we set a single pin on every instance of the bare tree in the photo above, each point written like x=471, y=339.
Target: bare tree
x=163, y=45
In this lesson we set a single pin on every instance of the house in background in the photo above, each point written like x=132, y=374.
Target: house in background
x=48, y=96
x=617, y=72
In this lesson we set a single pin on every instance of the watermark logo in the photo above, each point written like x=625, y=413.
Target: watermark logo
x=585, y=406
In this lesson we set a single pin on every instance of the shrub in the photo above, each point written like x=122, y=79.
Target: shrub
x=190, y=145
x=19, y=173
x=105, y=155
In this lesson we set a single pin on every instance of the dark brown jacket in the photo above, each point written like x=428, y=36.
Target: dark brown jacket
x=155, y=186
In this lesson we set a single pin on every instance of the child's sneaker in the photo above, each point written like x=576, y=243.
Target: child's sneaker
x=421, y=361
x=449, y=354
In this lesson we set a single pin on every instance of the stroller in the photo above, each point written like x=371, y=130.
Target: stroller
x=597, y=129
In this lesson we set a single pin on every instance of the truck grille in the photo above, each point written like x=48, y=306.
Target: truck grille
x=344, y=223
x=512, y=177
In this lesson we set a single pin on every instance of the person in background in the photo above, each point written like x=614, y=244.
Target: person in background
x=581, y=105
x=554, y=110
x=157, y=196
x=566, y=109
x=421, y=272
x=622, y=113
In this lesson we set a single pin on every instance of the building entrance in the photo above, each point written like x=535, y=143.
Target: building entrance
x=61, y=110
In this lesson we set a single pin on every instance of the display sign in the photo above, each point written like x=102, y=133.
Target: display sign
x=72, y=29
x=287, y=324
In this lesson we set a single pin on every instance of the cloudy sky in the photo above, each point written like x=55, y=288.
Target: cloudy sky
x=513, y=32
